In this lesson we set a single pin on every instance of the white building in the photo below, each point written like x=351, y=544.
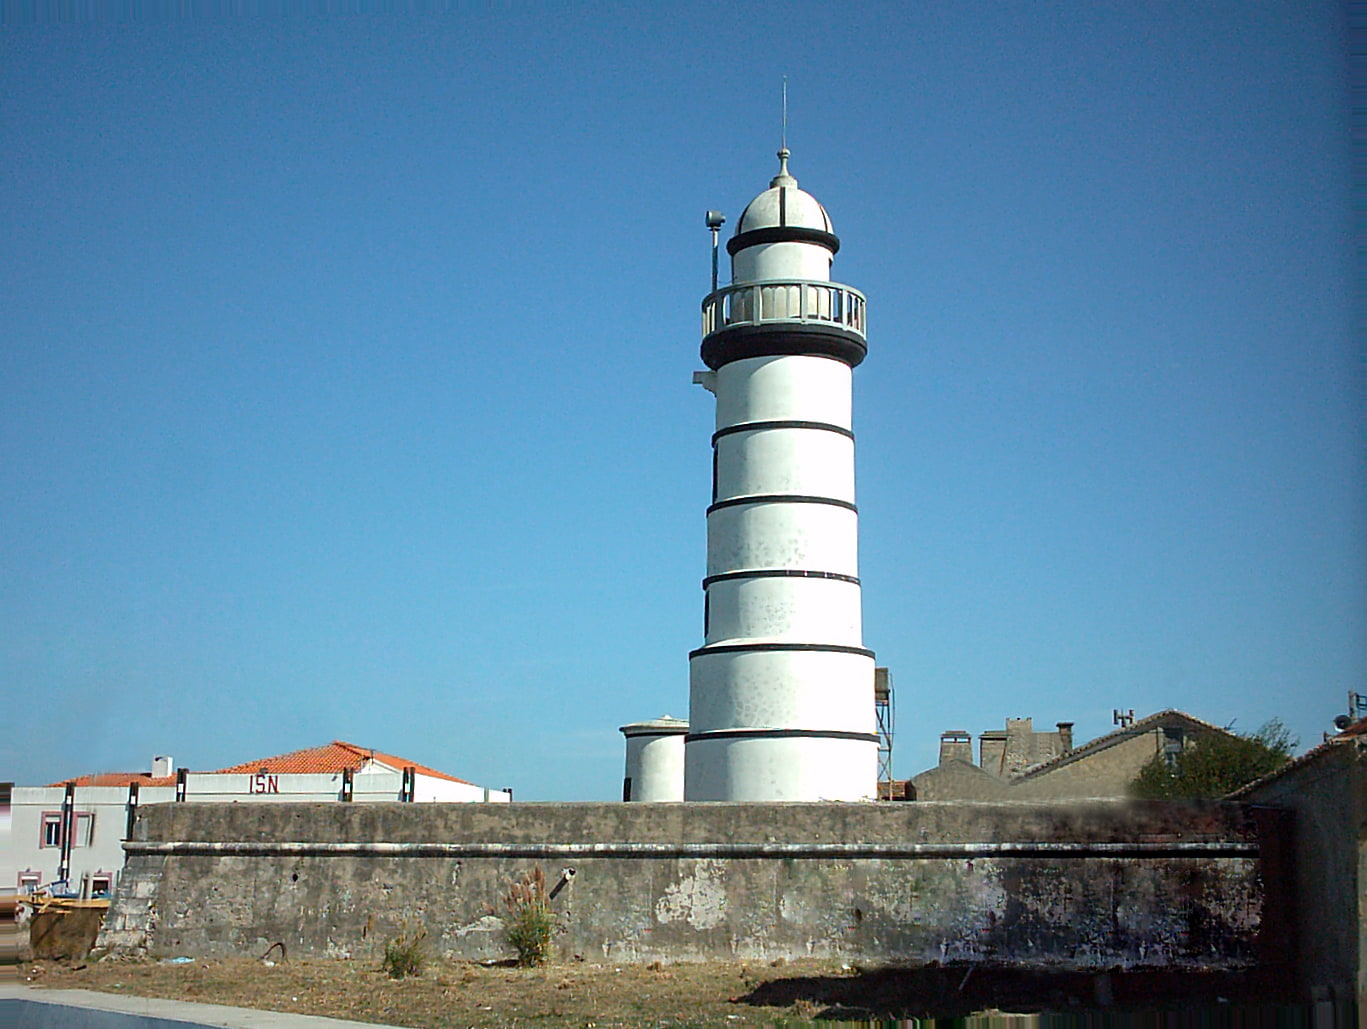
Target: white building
x=69, y=836
x=781, y=693
x=655, y=760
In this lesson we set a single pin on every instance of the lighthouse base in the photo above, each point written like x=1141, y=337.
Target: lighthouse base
x=781, y=766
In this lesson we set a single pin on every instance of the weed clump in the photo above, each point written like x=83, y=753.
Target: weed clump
x=530, y=921
x=405, y=955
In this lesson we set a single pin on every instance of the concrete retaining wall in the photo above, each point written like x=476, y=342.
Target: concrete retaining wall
x=1100, y=886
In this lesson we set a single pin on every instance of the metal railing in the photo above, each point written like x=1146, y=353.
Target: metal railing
x=792, y=300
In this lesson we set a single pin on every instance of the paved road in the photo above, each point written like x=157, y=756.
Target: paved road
x=27, y=1007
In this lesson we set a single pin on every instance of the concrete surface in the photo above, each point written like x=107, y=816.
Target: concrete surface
x=1095, y=886
x=26, y=1007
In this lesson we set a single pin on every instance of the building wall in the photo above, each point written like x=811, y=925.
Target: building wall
x=1025, y=747
x=958, y=780
x=1328, y=799
x=1009, y=752
x=107, y=807
x=1105, y=773
x=697, y=881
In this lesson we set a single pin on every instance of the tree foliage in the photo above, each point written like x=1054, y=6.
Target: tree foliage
x=1215, y=764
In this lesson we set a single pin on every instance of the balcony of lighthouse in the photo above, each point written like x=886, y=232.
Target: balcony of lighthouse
x=802, y=305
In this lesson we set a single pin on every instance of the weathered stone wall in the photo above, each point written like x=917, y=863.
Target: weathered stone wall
x=1106, y=773
x=1086, y=887
x=1327, y=795
x=958, y=780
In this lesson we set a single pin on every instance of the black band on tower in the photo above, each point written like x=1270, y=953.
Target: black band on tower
x=782, y=234
x=783, y=339
x=781, y=498
x=791, y=424
x=830, y=734
x=779, y=573
x=738, y=648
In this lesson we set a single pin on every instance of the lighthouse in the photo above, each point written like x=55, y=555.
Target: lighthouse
x=781, y=693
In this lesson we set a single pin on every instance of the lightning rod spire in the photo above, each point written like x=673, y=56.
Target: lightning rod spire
x=783, y=136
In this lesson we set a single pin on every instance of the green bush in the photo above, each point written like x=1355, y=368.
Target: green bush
x=405, y=955
x=530, y=921
x=1215, y=764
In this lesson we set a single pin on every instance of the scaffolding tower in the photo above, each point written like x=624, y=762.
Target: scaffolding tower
x=882, y=706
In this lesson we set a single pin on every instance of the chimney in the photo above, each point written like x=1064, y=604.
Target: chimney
x=162, y=766
x=956, y=745
x=1065, y=735
x=992, y=751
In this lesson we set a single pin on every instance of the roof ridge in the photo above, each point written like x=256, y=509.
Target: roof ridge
x=1111, y=738
x=326, y=758
x=1323, y=747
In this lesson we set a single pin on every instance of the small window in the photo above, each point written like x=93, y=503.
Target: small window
x=101, y=884
x=52, y=829
x=84, y=829
x=29, y=881
x=1173, y=742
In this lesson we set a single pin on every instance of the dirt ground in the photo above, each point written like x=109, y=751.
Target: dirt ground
x=450, y=994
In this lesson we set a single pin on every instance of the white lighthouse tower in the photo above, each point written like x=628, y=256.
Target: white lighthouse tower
x=781, y=703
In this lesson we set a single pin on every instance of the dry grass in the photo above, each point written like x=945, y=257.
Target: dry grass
x=446, y=993
x=458, y=994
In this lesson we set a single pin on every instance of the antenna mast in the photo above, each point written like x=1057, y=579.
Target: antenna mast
x=715, y=220
x=783, y=136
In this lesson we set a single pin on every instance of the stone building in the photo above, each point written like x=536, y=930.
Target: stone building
x=1325, y=789
x=1018, y=763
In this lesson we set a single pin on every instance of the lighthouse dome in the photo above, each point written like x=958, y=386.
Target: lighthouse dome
x=783, y=205
x=784, y=233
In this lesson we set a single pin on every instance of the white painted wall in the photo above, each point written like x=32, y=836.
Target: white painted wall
x=655, y=766
x=782, y=769
x=813, y=536
x=782, y=388
x=778, y=691
x=782, y=689
x=108, y=808
x=799, y=461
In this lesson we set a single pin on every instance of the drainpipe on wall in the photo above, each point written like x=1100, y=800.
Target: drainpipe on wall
x=132, y=810
x=68, y=831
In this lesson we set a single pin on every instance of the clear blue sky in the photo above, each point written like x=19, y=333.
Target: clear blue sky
x=345, y=369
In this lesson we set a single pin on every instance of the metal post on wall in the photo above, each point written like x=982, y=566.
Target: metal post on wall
x=182, y=783
x=409, y=787
x=348, y=784
x=68, y=831
x=883, y=716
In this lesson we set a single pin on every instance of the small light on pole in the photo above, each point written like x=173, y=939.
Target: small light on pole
x=715, y=220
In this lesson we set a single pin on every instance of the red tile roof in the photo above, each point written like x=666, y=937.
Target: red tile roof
x=334, y=758
x=119, y=779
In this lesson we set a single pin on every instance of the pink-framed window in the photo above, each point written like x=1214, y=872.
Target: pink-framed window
x=83, y=829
